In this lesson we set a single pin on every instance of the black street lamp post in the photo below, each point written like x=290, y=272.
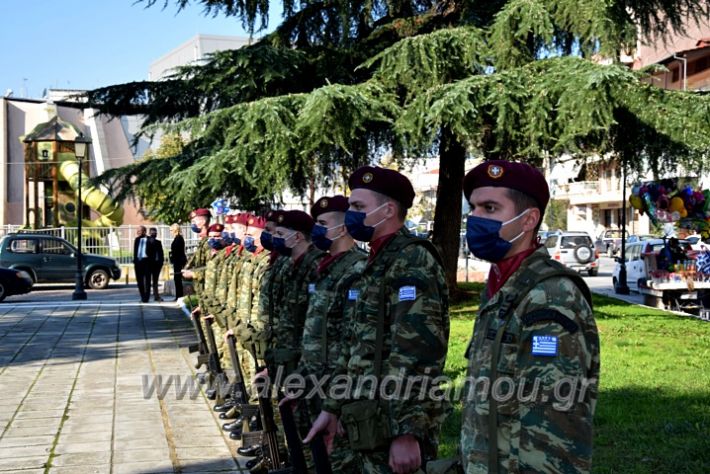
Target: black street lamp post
x=81, y=147
x=622, y=287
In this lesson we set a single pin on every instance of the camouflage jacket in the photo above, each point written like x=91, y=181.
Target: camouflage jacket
x=212, y=271
x=196, y=263
x=285, y=346
x=325, y=318
x=411, y=280
x=230, y=267
x=245, y=288
x=547, y=371
x=270, y=293
x=240, y=257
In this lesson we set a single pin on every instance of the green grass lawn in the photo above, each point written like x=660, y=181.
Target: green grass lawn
x=653, y=412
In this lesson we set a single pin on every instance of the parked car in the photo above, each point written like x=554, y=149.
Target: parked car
x=639, y=238
x=574, y=249
x=48, y=259
x=609, y=242
x=14, y=282
x=636, y=271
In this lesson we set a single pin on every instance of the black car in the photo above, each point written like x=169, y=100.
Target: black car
x=14, y=282
x=49, y=259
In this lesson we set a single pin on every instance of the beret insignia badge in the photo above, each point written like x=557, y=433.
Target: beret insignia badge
x=367, y=177
x=324, y=203
x=495, y=171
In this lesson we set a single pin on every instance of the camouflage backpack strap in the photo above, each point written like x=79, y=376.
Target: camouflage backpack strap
x=538, y=269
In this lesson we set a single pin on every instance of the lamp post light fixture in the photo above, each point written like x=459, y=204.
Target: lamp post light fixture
x=81, y=150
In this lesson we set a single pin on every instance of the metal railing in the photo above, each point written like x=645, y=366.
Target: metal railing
x=114, y=242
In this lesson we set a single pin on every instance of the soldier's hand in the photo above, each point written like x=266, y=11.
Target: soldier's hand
x=229, y=332
x=405, y=454
x=210, y=317
x=196, y=311
x=187, y=274
x=260, y=376
x=327, y=423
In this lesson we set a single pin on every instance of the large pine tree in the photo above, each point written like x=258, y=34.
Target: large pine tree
x=338, y=83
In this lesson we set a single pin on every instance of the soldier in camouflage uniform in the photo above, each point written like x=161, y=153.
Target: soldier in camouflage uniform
x=535, y=335
x=255, y=261
x=265, y=318
x=194, y=269
x=293, y=238
x=399, y=331
x=325, y=320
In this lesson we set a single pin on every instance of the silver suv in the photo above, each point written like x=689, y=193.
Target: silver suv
x=575, y=250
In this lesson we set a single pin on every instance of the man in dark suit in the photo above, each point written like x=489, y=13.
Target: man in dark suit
x=177, y=258
x=143, y=255
x=156, y=263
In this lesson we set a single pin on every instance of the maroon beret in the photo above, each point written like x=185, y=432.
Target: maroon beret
x=325, y=204
x=243, y=218
x=508, y=174
x=216, y=228
x=273, y=216
x=297, y=220
x=384, y=181
x=200, y=212
x=256, y=221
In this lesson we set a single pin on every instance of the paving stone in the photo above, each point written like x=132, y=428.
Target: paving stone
x=83, y=469
x=69, y=447
x=17, y=464
x=150, y=467
x=140, y=455
x=25, y=451
x=82, y=459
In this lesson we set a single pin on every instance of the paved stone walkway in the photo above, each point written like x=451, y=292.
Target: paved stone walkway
x=75, y=392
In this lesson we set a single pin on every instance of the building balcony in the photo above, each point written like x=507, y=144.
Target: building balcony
x=589, y=192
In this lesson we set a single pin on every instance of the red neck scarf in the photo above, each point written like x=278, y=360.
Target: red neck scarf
x=501, y=271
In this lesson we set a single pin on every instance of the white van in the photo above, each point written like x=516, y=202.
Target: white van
x=636, y=272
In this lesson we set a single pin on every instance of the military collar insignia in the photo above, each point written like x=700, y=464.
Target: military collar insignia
x=495, y=171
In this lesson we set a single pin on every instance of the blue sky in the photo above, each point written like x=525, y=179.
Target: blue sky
x=84, y=44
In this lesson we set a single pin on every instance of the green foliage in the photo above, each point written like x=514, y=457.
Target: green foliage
x=556, y=214
x=338, y=83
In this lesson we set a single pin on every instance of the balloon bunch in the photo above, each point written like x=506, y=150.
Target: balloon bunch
x=220, y=207
x=673, y=200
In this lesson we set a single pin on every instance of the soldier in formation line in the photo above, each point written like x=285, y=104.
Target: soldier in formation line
x=302, y=299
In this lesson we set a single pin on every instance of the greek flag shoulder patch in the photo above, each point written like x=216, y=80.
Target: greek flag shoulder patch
x=407, y=293
x=353, y=294
x=544, y=346
x=311, y=288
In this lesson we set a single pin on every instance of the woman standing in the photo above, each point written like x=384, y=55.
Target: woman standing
x=177, y=258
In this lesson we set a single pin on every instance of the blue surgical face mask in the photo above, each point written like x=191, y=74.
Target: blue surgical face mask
x=195, y=229
x=484, y=240
x=267, y=240
x=227, y=239
x=355, y=223
x=216, y=244
x=280, y=245
x=318, y=236
x=249, y=244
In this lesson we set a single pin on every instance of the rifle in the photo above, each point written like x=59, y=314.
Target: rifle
x=293, y=440
x=213, y=364
x=271, y=455
x=201, y=346
x=239, y=390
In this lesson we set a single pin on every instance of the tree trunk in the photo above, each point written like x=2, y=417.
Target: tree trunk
x=447, y=214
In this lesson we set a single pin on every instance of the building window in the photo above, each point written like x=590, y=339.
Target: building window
x=676, y=74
